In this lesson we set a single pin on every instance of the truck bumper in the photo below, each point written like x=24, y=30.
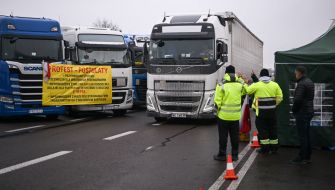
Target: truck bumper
x=190, y=116
x=7, y=111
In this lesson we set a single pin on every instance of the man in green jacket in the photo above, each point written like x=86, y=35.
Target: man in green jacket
x=267, y=95
x=228, y=99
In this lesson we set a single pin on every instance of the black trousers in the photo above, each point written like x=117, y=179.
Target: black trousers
x=267, y=130
x=230, y=128
x=303, y=128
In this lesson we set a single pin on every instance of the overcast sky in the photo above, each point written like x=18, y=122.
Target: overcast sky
x=281, y=24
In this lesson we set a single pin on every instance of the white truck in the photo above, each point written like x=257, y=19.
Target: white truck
x=187, y=58
x=102, y=46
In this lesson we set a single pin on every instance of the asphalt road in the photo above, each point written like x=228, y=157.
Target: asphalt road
x=134, y=152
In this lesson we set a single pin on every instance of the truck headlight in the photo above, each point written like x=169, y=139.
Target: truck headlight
x=150, y=104
x=209, y=106
x=6, y=99
x=130, y=96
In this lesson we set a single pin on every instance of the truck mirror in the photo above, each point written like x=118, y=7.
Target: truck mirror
x=145, y=58
x=219, y=50
x=66, y=50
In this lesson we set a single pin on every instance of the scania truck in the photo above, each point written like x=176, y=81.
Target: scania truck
x=103, y=46
x=187, y=58
x=25, y=44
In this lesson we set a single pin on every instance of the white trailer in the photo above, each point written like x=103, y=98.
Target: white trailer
x=187, y=58
x=102, y=46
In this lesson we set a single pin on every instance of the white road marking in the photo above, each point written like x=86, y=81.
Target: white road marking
x=26, y=128
x=234, y=184
x=32, y=162
x=218, y=183
x=149, y=148
x=74, y=120
x=119, y=135
x=156, y=124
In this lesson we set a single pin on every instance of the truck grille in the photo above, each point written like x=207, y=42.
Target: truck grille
x=26, y=87
x=179, y=96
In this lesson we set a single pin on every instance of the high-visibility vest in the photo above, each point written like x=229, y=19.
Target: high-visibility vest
x=228, y=98
x=267, y=95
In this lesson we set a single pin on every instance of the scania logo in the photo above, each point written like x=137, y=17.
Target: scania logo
x=33, y=68
x=179, y=70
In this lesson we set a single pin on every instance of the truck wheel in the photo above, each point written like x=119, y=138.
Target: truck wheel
x=52, y=117
x=160, y=119
x=119, y=113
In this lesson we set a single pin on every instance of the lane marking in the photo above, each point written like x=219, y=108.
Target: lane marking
x=32, y=162
x=119, y=135
x=218, y=183
x=234, y=184
x=156, y=124
x=149, y=148
x=74, y=120
x=26, y=128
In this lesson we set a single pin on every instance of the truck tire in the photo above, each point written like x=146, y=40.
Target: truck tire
x=160, y=119
x=119, y=113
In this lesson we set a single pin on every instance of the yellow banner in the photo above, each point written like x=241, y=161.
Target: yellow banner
x=76, y=84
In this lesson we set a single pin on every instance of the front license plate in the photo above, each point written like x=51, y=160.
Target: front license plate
x=179, y=115
x=36, y=111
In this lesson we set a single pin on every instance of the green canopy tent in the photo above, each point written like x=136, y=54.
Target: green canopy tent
x=319, y=59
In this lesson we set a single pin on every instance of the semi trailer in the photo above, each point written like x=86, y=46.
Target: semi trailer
x=25, y=44
x=103, y=46
x=187, y=56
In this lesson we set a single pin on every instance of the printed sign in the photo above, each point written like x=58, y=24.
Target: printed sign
x=76, y=84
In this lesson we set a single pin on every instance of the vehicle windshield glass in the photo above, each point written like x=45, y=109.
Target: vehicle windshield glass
x=182, y=50
x=138, y=59
x=31, y=50
x=102, y=56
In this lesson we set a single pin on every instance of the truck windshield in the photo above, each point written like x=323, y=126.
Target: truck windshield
x=31, y=50
x=201, y=50
x=102, y=56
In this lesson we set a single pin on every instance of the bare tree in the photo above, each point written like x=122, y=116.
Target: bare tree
x=104, y=23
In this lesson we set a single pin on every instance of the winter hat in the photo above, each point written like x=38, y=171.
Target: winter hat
x=230, y=69
x=264, y=73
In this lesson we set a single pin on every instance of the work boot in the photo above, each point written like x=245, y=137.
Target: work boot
x=220, y=157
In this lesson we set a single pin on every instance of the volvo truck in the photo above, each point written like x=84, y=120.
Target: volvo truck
x=103, y=46
x=187, y=57
x=25, y=44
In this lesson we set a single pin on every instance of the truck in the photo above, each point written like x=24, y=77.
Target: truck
x=26, y=43
x=136, y=43
x=187, y=57
x=103, y=46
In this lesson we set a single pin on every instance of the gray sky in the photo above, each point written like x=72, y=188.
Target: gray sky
x=281, y=24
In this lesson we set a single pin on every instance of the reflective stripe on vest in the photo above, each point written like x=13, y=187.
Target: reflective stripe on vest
x=266, y=103
x=231, y=111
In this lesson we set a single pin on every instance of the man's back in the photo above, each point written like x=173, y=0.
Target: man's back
x=304, y=96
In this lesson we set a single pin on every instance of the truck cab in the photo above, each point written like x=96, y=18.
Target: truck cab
x=136, y=43
x=103, y=46
x=25, y=44
x=186, y=59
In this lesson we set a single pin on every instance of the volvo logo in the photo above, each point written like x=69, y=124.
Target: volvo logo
x=179, y=70
x=158, y=70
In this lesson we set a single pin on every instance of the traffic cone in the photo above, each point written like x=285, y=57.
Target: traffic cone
x=255, y=142
x=230, y=173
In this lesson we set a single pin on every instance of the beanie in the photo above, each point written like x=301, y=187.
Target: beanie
x=264, y=73
x=230, y=69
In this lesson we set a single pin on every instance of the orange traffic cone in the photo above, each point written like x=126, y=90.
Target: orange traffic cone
x=255, y=143
x=230, y=173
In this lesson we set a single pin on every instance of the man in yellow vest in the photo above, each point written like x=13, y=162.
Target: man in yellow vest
x=267, y=95
x=228, y=99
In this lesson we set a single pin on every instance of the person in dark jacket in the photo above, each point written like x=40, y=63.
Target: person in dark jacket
x=303, y=110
